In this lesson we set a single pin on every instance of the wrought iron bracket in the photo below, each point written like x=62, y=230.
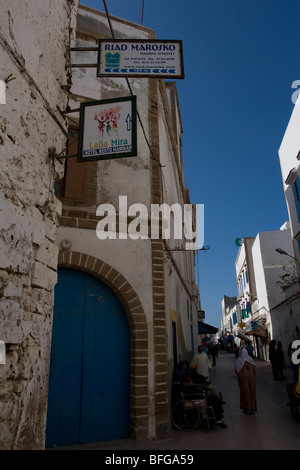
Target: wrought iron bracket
x=59, y=156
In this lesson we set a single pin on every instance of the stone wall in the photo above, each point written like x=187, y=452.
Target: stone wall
x=34, y=41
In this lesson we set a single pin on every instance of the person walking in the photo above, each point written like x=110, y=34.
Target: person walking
x=280, y=359
x=213, y=352
x=273, y=357
x=236, y=350
x=245, y=369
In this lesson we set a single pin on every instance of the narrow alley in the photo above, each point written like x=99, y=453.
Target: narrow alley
x=272, y=428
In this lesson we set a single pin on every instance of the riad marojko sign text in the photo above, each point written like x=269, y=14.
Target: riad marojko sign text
x=140, y=58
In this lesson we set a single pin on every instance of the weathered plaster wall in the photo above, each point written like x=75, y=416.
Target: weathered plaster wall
x=34, y=40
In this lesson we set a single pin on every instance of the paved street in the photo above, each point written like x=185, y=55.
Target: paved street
x=272, y=428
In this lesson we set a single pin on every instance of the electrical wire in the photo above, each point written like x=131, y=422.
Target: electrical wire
x=142, y=14
x=127, y=80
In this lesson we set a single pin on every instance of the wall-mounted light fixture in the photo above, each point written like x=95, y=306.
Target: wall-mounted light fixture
x=65, y=245
x=282, y=252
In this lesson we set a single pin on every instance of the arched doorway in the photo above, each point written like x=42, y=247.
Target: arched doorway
x=89, y=372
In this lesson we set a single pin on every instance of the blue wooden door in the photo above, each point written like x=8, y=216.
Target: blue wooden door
x=88, y=397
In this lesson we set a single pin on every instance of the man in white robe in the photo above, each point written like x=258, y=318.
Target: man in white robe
x=202, y=363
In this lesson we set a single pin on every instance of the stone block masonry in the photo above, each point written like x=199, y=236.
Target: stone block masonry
x=158, y=291
x=34, y=41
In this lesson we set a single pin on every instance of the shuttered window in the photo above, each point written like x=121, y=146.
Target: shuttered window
x=296, y=191
x=75, y=179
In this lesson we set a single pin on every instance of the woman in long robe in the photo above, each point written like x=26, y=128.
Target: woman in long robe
x=246, y=372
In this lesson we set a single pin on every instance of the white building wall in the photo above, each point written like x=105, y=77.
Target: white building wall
x=268, y=266
x=274, y=303
x=246, y=288
x=273, y=262
x=181, y=290
x=286, y=316
x=288, y=152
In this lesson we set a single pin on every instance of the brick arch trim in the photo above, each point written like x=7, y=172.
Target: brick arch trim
x=137, y=327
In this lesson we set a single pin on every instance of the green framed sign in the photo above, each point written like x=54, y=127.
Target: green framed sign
x=107, y=129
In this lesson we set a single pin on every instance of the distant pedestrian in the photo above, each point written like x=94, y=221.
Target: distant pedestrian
x=236, y=350
x=250, y=350
x=280, y=360
x=245, y=369
x=273, y=359
x=213, y=352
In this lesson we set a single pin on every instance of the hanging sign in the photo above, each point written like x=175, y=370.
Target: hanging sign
x=140, y=58
x=107, y=129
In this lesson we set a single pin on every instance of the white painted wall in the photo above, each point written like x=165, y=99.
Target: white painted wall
x=177, y=296
x=279, y=306
x=268, y=266
x=288, y=151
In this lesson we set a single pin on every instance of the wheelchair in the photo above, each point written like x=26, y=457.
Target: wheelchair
x=191, y=410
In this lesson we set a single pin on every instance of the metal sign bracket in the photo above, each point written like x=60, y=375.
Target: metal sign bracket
x=59, y=156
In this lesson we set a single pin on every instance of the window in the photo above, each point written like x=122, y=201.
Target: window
x=75, y=179
x=245, y=313
x=296, y=191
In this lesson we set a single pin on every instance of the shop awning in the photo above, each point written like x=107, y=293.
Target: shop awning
x=257, y=327
x=204, y=328
x=258, y=332
x=243, y=337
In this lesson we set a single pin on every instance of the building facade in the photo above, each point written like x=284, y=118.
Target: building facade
x=267, y=266
x=266, y=285
x=231, y=316
x=245, y=277
x=289, y=155
x=92, y=327
x=152, y=278
x=34, y=49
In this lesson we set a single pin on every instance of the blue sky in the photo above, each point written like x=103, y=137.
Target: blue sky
x=240, y=59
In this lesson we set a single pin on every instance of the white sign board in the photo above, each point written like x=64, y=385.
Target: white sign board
x=140, y=58
x=107, y=129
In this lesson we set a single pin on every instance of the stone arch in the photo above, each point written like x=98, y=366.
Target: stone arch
x=138, y=332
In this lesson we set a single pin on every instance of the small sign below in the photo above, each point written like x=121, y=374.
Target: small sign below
x=107, y=129
x=140, y=58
